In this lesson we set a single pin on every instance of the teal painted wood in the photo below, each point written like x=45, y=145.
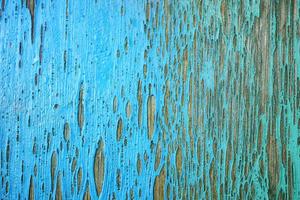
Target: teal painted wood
x=150, y=99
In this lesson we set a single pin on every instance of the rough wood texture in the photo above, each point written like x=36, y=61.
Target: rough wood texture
x=146, y=99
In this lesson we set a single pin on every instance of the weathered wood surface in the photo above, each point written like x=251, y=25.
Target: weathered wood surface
x=145, y=99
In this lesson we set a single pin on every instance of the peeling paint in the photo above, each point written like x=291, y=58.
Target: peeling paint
x=149, y=99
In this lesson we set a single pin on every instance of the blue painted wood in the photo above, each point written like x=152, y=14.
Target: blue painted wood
x=149, y=99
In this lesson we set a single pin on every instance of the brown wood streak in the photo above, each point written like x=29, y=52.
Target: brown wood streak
x=139, y=164
x=119, y=129
x=158, y=156
x=31, y=189
x=66, y=131
x=99, y=167
x=115, y=104
x=150, y=115
x=87, y=195
x=179, y=161
x=81, y=108
x=128, y=109
x=79, y=179
x=58, y=192
x=140, y=101
x=30, y=4
x=159, y=185
x=53, y=167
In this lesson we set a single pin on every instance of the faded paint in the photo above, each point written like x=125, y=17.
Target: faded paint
x=189, y=99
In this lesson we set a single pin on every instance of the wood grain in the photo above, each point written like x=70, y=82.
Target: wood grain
x=148, y=99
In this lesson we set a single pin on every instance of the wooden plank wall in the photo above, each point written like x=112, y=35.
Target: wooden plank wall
x=150, y=99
